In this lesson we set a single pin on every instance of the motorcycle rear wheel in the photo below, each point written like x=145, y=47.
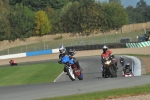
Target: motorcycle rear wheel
x=80, y=77
x=112, y=72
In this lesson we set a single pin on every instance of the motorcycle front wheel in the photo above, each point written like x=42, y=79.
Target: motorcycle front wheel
x=71, y=73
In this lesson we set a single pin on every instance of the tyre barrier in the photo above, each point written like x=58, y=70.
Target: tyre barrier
x=96, y=46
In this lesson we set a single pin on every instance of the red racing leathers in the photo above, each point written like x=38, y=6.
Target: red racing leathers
x=108, y=53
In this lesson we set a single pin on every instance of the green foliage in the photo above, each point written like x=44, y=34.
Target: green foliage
x=4, y=22
x=139, y=14
x=69, y=17
x=40, y=4
x=115, y=16
x=115, y=1
x=88, y=15
x=73, y=16
x=58, y=4
x=21, y=20
x=32, y=4
x=42, y=23
x=54, y=17
x=79, y=17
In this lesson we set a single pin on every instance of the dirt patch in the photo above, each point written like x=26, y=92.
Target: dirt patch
x=145, y=63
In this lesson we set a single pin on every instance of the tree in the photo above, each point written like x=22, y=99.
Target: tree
x=115, y=1
x=141, y=11
x=42, y=23
x=80, y=17
x=21, y=20
x=37, y=5
x=115, y=16
x=131, y=14
x=88, y=16
x=58, y=4
x=67, y=15
x=139, y=14
x=4, y=22
x=54, y=17
x=141, y=3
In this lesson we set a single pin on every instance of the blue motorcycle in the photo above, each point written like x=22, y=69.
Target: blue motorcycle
x=71, y=68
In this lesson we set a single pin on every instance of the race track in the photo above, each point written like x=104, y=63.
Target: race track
x=92, y=81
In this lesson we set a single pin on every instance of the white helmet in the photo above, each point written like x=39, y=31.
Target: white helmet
x=62, y=49
x=105, y=48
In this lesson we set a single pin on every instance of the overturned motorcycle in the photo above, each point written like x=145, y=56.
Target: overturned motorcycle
x=110, y=69
x=71, y=68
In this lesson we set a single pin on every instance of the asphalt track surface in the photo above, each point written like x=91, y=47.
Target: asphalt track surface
x=63, y=86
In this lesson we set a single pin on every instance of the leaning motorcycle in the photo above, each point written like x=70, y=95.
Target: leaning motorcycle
x=109, y=68
x=72, y=70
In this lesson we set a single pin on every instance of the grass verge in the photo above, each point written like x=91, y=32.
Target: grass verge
x=29, y=74
x=102, y=95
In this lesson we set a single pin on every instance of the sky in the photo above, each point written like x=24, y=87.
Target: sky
x=126, y=3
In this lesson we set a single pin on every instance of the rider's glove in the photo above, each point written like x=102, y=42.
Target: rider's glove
x=70, y=56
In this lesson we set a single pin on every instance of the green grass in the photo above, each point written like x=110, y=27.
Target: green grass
x=101, y=95
x=108, y=38
x=29, y=74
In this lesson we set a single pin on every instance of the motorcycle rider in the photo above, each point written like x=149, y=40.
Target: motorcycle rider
x=122, y=61
x=11, y=61
x=63, y=52
x=108, y=53
x=127, y=67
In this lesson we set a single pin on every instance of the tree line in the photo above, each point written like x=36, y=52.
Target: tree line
x=20, y=19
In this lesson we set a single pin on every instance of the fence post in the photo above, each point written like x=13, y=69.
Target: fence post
x=8, y=51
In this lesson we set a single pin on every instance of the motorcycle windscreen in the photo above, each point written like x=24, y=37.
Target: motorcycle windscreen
x=66, y=59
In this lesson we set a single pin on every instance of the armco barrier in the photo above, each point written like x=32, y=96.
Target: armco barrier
x=35, y=53
x=97, y=46
x=13, y=56
x=77, y=48
x=41, y=52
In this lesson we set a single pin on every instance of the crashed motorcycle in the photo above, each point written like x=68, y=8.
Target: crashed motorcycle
x=71, y=68
x=12, y=63
x=109, y=67
x=122, y=61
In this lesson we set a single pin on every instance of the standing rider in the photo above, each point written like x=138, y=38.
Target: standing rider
x=63, y=52
x=107, y=53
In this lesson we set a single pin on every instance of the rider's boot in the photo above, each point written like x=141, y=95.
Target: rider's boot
x=78, y=65
x=65, y=70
